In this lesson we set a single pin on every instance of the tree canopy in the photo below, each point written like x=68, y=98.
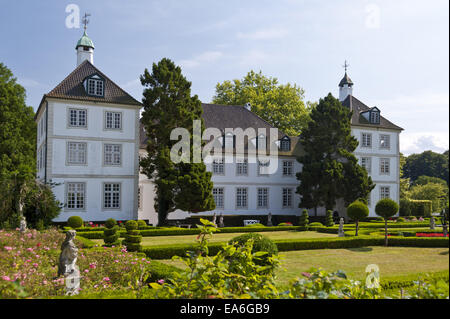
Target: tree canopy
x=427, y=163
x=281, y=105
x=330, y=170
x=168, y=104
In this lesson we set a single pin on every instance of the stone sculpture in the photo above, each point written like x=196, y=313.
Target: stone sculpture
x=221, y=223
x=269, y=219
x=67, y=264
x=23, y=225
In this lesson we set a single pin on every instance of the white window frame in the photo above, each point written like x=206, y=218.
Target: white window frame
x=262, y=198
x=218, y=166
x=366, y=140
x=115, y=121
x=219, y=197
x=241, y=167
x=95, y=87
x=76, y=153
x=115, y=192
x=241, y=198
x=79, y=198
x=287, y=197
x=288, y=168
x=374, y=117
x=385, y=192
x=387, y=141
x=385, y=166
x=112, y=154
x=285, y=145
x=78, y=122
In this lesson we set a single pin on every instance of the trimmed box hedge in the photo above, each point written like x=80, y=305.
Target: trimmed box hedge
x=168, y=251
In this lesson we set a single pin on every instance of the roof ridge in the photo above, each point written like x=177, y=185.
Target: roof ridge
x=71, y=73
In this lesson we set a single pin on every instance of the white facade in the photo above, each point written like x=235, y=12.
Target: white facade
x=92, y=171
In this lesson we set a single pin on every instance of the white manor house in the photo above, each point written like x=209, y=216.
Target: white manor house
x=89, y=142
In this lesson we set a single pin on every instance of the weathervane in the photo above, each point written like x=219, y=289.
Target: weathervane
x=85, y=20
x=345, y=66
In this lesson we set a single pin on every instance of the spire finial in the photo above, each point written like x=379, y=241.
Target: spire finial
x=85, y=20
x=345, y=66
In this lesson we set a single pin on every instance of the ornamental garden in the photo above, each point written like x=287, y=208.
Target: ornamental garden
x=129, y=259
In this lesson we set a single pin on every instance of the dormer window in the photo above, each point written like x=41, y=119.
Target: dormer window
x=374, y=116
x=285, y=144
x=95, y=86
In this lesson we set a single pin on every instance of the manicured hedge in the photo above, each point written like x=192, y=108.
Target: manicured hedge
x=86, y=243
x=393, y=283
x=160, y=271
x=167, y=251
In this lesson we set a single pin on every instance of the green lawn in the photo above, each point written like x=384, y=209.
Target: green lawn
x=218, y=237
x=392, y=261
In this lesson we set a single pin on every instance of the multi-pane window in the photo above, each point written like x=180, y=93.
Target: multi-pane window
x=263, y=167
x=366, y=140
x=288, y=168
x=218, y=195
x=76, y=195
x=113, y=154
x=385, y=141
x=77, y=118
x=76, y=153
x=263, y=197
x=366, y=163
x=111, y=195
x=113, y=120
x=241, y=197
x=95, y=87
x=242, y=167
x=369, y=199
x=285, y=145
x=261, y=142
x=384, y=166
x=218, y=166
x=375, y=117
x=287, y=197
x=384, y=192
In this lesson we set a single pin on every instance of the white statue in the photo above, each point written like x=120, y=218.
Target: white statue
x=432, y=223
x=269, y=219
x=67, y=263
x=341, y=228
x=221, y=223
x=214, y=219
x=23, y=225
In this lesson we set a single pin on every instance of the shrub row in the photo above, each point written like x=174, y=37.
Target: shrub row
x=402, y=283
x=167, y=251
x=86, y=243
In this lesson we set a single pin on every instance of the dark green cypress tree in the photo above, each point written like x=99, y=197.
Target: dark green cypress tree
x=168, y=104
x=330, y=170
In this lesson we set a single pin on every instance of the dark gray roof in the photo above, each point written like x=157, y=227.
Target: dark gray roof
x=359, y=107
x=227, y=116
x=72, y=87
x=345, y=80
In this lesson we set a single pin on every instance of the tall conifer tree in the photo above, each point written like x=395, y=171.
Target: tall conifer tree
x=168, y=104
x=330, y=170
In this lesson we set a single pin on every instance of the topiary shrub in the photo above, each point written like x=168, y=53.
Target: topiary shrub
x=260, y=244
x=386, y=208
x=75, y=222
x=255, y=225
x=110, y=234
x=142, y=224
x=316, y=224
x=132, y=237
x=329, y=219
x=357, y=211
x=304, y=219
x=400, y=220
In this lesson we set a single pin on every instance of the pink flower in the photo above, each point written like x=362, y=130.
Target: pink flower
x=106, y=279
x=30, y=249
x=35, y=265
x=7, y=248
x=92, y=266
x=86, y=270
x=6, y=278
x=161, y=281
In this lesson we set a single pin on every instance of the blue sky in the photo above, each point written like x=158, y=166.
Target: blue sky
x=398, y=51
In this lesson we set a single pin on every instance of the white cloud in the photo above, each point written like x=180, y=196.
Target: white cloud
x=29, y=83
x=203, y=58
x=418, y=142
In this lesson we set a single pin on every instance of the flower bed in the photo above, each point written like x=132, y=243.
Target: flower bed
x=28, y=266
x=430, y=235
